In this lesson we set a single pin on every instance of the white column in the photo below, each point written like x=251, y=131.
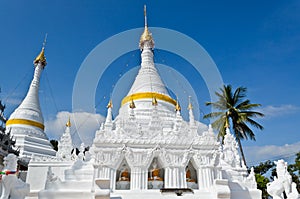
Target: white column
x=138, y=178
x=175, y=177
x=205, y=177
x=105, y=172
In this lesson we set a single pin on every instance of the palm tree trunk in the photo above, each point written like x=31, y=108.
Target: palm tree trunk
x=242, y=152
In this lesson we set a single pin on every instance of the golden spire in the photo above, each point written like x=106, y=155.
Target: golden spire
x=132, y=105
x=190, y=106
x=41, y=57
x=68, y=124
x=146, y=36
x=154, y=101
x=177, y=107
x=110, y=104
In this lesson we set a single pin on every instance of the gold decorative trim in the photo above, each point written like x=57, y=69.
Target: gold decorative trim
x=148, y=95
x=25, y=122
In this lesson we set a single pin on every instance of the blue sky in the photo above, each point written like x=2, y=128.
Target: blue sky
x=254, y=44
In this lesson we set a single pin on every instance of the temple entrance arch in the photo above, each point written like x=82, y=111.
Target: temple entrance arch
x=123, y=176
x=155, y=174
x=191, y=176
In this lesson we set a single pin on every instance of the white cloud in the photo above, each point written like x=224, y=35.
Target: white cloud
x=276, y=111
x=84, y=126
x=256, y=154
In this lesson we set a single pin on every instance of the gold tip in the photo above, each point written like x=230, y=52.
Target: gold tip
x=190, y=106
x=110, y=104
x=146, y=36
x=68, y=124
x=132, y=105
x=154, y=101
x=41, y=58
x=177, y=107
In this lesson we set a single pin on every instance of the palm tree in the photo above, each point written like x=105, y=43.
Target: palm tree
x=234, y=109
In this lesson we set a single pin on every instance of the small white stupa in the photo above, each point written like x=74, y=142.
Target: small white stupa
x=26, y=123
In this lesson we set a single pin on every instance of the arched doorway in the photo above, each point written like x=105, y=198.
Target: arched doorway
x=123, y=176
x=191, y=176
x=155, y=175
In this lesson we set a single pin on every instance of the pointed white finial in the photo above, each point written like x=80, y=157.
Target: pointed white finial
x=145, y=15
x=45, y=40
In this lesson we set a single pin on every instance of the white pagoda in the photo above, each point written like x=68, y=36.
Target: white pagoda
x=148, y=151
x=26, y=123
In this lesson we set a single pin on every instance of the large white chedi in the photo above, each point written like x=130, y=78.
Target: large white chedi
x=26, y=123
x=148, y=151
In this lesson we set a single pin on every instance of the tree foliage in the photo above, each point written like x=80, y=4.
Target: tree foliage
x=236, y=112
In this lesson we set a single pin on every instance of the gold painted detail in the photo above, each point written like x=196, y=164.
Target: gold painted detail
x=190, y=106
x=68, y=124
x=154, y=101
x=148, y=95
x=25, y=122
x=132, y=105
x=177, y=106
x=110, y=104
x=146, y=36
x=41, y=58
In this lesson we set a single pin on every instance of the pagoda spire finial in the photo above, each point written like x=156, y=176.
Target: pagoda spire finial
x=190, y=106
x=68, y=124
x=146, y=37
x=145, y=15
x=177, y=106
x=110, y=104
x=41, y=57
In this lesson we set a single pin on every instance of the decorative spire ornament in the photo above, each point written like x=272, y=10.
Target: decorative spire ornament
x=110, y=104
x=68, y=124
x=132, y=105
x=190, y=106
x=177, y=106
x=154, y=101
x=41, y=57
x=146, y=37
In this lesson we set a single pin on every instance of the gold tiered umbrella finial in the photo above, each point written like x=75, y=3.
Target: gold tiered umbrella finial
x=146, y=36
x=41, y=57
x=110, y=104
x=177, y=106
x=68, y=124
x=190, y=106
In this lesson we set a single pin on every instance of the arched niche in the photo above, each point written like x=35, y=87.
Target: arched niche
x=123, y=176
x=191, y=176
x=155, y=174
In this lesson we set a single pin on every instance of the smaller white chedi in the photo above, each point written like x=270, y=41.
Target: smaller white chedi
x=147, y=149
x=26, y=123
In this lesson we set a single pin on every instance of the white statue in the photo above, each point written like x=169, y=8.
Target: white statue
x=282, y=183
x=12, y=187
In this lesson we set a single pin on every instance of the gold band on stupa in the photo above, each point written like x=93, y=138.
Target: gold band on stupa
x=25, y=122
x=148, y=95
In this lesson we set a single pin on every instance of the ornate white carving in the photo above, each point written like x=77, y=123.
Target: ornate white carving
x=230, y=150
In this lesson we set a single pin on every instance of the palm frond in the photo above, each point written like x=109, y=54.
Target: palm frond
x=212, y=115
